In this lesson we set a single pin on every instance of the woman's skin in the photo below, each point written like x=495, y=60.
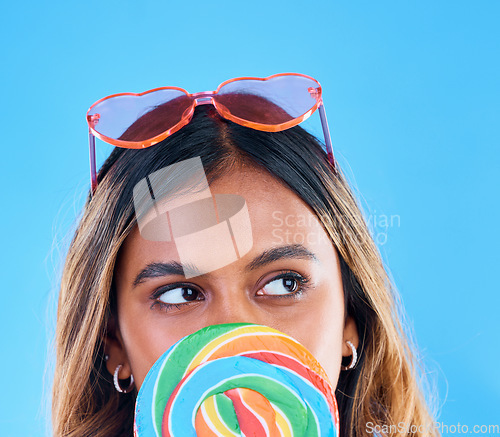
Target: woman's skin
x=145, y=329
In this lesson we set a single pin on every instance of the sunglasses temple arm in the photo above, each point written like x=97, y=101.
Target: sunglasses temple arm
x=326, y=133
x=93, y=175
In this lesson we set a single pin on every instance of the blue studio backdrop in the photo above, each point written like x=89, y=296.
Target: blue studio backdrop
x=412, y=96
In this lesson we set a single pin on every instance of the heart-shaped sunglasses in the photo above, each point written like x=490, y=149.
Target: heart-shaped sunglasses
x=271, y=104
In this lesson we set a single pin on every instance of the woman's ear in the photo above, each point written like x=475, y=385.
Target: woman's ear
x=350, y=334
x=115, y=351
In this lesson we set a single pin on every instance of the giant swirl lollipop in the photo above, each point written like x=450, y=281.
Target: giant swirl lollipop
x=236, y=380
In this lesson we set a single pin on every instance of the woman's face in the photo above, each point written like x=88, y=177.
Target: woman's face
x=289, y=280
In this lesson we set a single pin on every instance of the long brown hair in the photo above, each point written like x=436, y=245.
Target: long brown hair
x=387, y=385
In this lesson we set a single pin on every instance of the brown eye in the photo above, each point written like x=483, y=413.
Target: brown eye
x=290, y=284
x=281, y=286
x=179, y=295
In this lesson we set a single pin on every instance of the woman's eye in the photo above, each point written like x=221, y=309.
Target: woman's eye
x=286, y=284
x=179, y=295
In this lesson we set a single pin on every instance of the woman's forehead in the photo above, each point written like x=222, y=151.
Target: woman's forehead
x=263, y=214
x=270, y=205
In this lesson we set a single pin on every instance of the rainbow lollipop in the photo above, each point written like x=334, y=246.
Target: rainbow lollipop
x=236, y=380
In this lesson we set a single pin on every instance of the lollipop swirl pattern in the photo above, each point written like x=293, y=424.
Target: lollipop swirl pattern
x=236, y=380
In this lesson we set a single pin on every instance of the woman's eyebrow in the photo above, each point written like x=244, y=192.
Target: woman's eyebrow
x=290, y=251
x=159, y=269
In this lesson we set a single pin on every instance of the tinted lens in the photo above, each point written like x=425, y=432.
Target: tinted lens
x=140, y=118
x=273, y=101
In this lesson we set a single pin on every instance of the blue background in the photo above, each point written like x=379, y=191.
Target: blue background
x=411, y=91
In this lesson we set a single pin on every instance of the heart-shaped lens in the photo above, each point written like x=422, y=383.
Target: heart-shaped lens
x=277, y=100
x=139, y=118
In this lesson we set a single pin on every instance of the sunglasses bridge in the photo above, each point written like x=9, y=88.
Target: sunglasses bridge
x=203, y=98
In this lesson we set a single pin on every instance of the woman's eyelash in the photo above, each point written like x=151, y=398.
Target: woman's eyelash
x=168, y=306
x=302, y=280
x=162, y=290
